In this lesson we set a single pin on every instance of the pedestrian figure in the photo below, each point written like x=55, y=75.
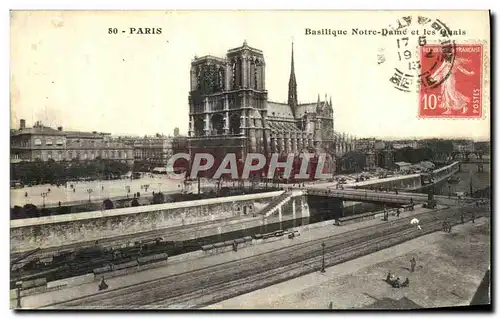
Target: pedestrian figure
x=103, y=285
x=473, y=217
x=59, y=203
x=397, y=283
x=398, y=212
x=449, y=228
x=406, y=283
x=74, y=190
x=330, y=306
x=462, y=218
x=235, y=246
x=388, y=278
x=413, y=263
x=445, y=226
x=102, y=187
x=396, y=191
x=25, y=194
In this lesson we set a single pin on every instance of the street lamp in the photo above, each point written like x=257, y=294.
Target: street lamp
x=89, y=191
x=323, y=260
x=43, y=197
x=18, y=294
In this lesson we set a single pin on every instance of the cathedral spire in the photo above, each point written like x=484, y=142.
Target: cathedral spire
x=292, y=87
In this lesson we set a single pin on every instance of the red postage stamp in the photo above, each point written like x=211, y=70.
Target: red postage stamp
x=454, y=87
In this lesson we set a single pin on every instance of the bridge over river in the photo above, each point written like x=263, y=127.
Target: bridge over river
x=362, y=195
x=370, y=190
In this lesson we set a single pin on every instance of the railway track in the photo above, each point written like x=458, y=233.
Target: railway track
x=212, y=284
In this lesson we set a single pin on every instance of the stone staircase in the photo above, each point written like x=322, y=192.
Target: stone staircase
x=276, y=203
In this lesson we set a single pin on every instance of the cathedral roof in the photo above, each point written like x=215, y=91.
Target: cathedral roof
x=304, y=108
x=279, y=126
x=276, y=109
x=310, y=108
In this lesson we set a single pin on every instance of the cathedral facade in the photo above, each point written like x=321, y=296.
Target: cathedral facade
x=229, y=112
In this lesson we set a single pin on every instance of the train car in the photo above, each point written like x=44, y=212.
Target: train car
x=454, y=180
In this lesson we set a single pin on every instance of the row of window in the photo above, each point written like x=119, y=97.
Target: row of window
x=59, y=142
x=80, y=155
x=48, y=141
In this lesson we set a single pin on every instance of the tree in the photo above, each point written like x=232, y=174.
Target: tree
x=142, y=166
x=55, y=172
x=441, y=148
x=414, y=155
x=16, y=212
x=158, y=198
x=135, y=202
x=30, y=211
x=467, y=154
x=108, y=204
x=45, y=212
x=353, y=161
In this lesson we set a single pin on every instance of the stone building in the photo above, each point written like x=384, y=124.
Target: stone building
x=229, y=111
x=156, y=150
x=44, y=143
x=404, y=144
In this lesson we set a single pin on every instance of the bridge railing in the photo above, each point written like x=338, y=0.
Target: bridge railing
x=368, y=196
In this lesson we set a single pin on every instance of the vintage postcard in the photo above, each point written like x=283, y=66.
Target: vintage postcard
x=250, y=159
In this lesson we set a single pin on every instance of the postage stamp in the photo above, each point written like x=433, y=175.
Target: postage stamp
x=459, y=90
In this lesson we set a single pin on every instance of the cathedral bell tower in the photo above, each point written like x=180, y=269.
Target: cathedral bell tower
x=247, y=95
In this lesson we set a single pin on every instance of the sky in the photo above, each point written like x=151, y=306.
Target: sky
x=67, y=70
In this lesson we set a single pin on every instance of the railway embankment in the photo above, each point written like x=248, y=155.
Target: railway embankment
x=309, y=233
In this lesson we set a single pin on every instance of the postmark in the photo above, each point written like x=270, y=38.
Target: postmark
x=408, y=35
x=459, y=91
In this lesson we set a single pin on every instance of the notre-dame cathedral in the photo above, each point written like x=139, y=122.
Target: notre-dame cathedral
x=229, y=112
